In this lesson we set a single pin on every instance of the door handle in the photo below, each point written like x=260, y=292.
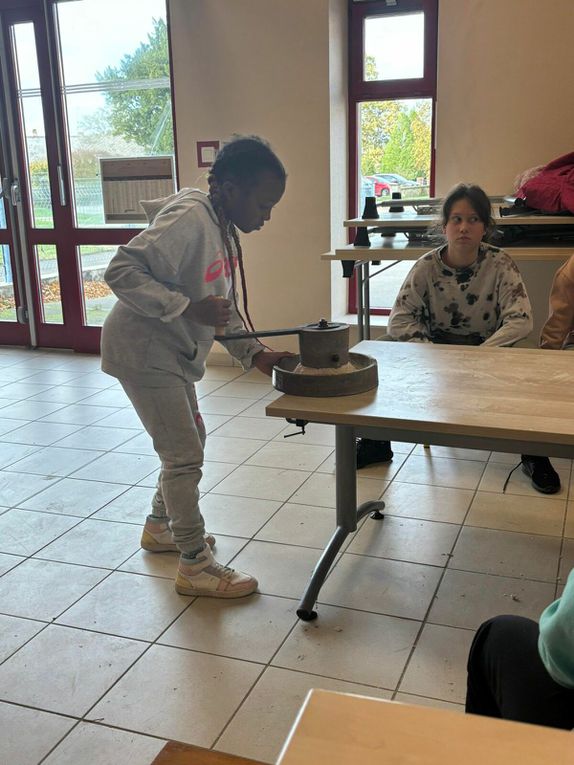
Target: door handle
x=15, y=196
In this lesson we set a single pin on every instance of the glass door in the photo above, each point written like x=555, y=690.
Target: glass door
x=78, y=91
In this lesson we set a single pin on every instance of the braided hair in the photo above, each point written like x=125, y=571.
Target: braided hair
x=241, y=160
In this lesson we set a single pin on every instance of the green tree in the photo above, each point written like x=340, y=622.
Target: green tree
x=143, y=115
x=395, y=136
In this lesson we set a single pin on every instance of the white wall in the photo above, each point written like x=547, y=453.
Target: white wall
x=263, y=67
x=504, y=101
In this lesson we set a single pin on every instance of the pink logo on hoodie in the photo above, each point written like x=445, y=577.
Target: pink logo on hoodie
x=218, y=267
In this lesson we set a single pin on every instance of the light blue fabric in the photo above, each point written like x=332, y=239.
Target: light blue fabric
x=556, y=640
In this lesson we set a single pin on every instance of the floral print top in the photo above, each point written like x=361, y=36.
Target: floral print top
x=484, y=303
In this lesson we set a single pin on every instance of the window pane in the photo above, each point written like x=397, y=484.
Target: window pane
x=394, y=148
x=32, y=121
x=117, y=99
x=51, y=300
x=385, y=287
x=7, y=299
x=98, y=297
x=394, y=47
x=2, y=214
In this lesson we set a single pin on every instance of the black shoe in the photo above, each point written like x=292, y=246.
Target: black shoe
x=370, y=452
x=541, y=473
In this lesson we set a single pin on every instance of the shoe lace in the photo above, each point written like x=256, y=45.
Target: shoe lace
x=225, y=571
x=508, y=477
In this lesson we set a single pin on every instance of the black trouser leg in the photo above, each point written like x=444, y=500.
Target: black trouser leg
x=506, y=677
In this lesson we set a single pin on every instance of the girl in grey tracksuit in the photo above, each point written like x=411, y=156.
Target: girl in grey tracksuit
x=175, y=283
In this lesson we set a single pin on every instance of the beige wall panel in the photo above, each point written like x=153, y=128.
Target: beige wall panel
x=263, y=67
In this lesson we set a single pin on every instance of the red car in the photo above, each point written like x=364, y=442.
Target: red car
x=382, y=188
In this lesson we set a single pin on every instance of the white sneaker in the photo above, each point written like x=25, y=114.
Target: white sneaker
x=157, y=536
x=203, y=575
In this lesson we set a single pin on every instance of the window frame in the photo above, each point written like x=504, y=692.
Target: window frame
x=361, y=90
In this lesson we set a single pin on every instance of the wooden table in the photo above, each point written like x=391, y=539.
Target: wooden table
x=394, y=249
x=517, y=400
x=341, y=728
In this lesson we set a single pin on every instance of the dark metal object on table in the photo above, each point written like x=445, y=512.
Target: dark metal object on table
x=324, y=366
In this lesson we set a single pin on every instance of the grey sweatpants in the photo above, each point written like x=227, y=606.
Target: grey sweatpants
x=171, y=417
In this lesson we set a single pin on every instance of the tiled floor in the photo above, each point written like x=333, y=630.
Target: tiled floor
x=101, y=661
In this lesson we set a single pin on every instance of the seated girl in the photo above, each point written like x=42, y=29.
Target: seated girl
x=465, y=292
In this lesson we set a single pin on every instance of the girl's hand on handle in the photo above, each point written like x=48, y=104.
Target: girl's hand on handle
x=212, y=311
x=264, y=361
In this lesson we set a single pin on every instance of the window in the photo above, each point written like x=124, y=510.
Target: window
x=392, y=92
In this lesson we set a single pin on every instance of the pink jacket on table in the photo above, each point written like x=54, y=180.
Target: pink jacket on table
x=559, y=328
x=552, y=189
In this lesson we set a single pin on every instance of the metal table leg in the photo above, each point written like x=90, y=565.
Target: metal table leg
x=347, y=516
x=360, y=317
x=367, y=301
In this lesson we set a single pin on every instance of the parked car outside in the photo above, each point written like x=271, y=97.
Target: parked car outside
x=396, y=181
x=382, y=187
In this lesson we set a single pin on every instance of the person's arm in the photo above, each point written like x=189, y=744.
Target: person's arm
x=561, y=320
x=556, y=639
x=242, y=350
x=130, y=276
x=410, y=320
x=515, y=311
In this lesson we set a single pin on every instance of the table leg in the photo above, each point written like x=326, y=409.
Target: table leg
x=367, y=301
x=347, y=515
x=360, y=315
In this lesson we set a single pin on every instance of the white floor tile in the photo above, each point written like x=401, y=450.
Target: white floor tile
x=14, y=632
x=100, y=439
x=119, y=468
x=253, y=391
x=220, y=404
x=315, y=433
x=280, y=569
x=8, y=562
x=131, y=506
x=510, y=512
x=381, y=586
x=262, y=725
x=507, y=554
x=128, y=605
x=422, y=701
x=438, y=665
x=53, y=461
x=17, y=746
x=439, y=471
x=72, y=496
x=80, y=414
x=39, y=589
x=262, y=483
x=350, y=645
x=65, y=670
x=466, y=600
x=40, y=433
x=10, y=453
x=236, y=516
x=289, y=455
x=234, y=628
x=319, y=489
x=250, y=427
x=17, y=487
x=432, y=503
x=234, y=450
x=178, y=694
x=303, y=525
x=105, y=746
x=406, y=539
x=452, y=453
x=95, y=543
x=24, y=532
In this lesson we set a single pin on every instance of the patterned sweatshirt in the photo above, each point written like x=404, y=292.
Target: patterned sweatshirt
x=484, y=303
x=559, y=329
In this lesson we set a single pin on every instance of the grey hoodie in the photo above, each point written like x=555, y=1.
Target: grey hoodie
x=180, y=258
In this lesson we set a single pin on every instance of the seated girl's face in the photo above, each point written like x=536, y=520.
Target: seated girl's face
x=464, y=229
